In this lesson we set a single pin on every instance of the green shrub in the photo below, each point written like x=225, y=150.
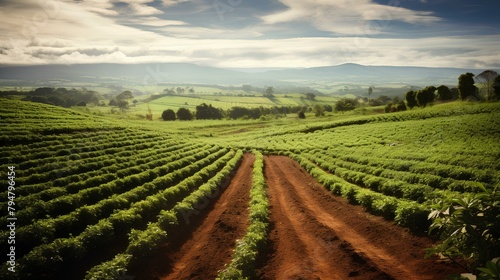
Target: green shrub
x=413, y=216
x=110, y=270
x=469, y=227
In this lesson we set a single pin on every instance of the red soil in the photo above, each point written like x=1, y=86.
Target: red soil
x=316, y=235
x=201, y=250
x=313, y=235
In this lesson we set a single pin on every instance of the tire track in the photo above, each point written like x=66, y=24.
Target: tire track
x=316, y=235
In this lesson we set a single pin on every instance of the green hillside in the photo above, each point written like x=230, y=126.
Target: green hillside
x=95, y=194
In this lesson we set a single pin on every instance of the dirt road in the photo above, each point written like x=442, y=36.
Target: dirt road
x=201, y=250
x=316, y=235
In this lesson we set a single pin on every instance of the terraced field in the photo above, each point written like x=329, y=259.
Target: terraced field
x=98, y=198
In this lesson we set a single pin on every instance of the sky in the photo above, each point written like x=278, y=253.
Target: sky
x=252, y=33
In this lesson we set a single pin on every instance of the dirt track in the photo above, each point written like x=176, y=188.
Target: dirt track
x=316, y=235
x=313, y=235
x=201, y=250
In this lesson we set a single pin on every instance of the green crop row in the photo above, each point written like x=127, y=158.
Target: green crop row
x=66, y=181
x=47, y=230
x=144, y=243
x=99, y=187
x=416, y=172
x=242, y=265
x=36, y=171
x=51, y=258
x=375, y=177
x=406, y=213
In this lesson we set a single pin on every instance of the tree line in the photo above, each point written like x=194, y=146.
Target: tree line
x=466, y=90
x=62, y=97
x=208, y=112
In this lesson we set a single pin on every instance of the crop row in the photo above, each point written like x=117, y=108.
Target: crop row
x=407, y=172
x=458, y=165
x=53, y=258
x=47, y=230
x=87, y=192
x=142, y=243
x=18, y=154
x=100, y=171
x=390, y=187
x=242, y=265
x=45, y=162
x=405, y=212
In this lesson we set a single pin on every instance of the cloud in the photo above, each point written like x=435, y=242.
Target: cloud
x=99, y=6
x=72, y=32
x=155, y=21
x=291, y=52
x=167, y=3
x=144, y=10
x=347, y=17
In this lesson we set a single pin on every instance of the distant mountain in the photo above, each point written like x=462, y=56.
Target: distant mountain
x=164, y=73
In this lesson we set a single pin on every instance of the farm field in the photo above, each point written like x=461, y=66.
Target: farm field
x=100, y=198
x=224, y=102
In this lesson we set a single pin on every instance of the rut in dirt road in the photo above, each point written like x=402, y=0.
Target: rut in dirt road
x=316, y=235
x=210, y=244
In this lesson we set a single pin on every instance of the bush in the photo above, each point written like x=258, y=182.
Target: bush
x=469, y=227
x=412, y=215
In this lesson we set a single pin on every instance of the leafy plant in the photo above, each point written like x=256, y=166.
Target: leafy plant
x=469, y=228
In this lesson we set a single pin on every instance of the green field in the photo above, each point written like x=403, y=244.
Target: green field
x=84, y=182
x=224, y=102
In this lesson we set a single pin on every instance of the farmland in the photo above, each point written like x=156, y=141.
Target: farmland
x=97, y=197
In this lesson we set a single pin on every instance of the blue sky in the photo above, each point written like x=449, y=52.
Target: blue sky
x=252, y=34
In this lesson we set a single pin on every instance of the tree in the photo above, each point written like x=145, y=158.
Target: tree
x=345, y=104
x=487, y=78
x=444, y=93
x=496, y=88
x=125, y=95
x=207, y=112
x=425, y=96
x=122, y=104
x=168, y=115
x=370, y=91
x=319, y=110
x=311, y=96
x=400, y=106
x=466, y=87
x=301, y=114
x=269, y=92
x=184, y=114
x=388, y=107
x=328, y=108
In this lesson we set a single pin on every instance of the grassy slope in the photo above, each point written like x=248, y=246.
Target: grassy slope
x=455, y=136
x=455, y=127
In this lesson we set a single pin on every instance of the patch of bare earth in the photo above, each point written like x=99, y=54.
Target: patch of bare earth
x=201, y=249
x=316, y=235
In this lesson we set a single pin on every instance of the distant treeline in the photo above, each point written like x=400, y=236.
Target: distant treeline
x=208, y=112
x=58, y=96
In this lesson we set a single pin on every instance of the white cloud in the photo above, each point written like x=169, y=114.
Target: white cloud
x=88, y=32
x=155, y=21
x=167, y=3
x=144, y=10
x=347, y=17
x=295, y=52
x=99, y=6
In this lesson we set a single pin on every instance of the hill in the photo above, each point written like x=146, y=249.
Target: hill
x=103, y=195
x=166, y=73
